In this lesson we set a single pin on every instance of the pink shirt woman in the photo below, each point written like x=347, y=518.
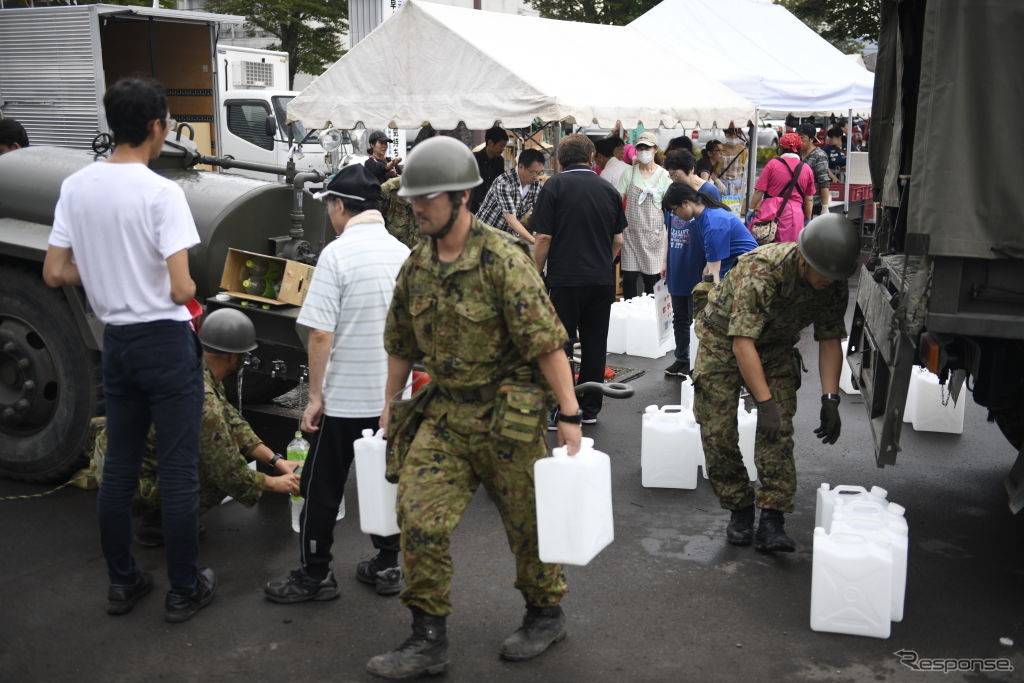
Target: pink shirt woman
x=776, y=176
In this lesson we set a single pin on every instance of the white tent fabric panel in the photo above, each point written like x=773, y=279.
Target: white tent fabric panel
x=444, y=64
x=763, y=52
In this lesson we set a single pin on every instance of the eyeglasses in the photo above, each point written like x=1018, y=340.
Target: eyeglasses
x=423, y=197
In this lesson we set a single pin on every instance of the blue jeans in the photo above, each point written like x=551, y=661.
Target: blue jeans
x=152, y=372
x=682, y=316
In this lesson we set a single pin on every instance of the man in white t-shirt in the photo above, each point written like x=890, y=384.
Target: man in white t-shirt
x=346, y=308
x=608, y=155
x=123, y=233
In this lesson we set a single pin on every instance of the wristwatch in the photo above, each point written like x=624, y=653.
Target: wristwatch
x=273, y=460
x=831, y=397
x=575, y=419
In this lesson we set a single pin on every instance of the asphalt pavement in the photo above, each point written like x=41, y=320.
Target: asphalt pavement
x=668, y=600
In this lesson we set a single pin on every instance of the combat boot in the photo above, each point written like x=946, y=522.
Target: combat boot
x=771, y=533
x=741, y=526
x=542, y=626
x=425, y=651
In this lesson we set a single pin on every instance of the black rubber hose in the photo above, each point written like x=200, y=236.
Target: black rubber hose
x=611, y=389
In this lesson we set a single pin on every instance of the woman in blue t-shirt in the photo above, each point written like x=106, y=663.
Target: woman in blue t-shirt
x=705, y=237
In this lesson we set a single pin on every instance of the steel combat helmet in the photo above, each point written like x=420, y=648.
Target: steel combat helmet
x=439, y=164
x=227, y=330
x=831, y=245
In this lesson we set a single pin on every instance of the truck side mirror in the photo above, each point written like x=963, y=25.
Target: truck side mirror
x=270, y=126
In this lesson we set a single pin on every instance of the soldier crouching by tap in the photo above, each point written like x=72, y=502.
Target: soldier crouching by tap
x=471, y=307
x=748, y=332
x=225, y=438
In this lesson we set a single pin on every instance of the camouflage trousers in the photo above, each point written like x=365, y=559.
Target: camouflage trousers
x=716, y=395
x=437, y=482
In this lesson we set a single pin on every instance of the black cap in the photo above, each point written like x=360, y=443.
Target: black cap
x=379, y=136
x=807, y=129
x=352, y=182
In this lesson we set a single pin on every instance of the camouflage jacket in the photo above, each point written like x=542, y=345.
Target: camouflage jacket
x=225, y=438
x=477, y=320
x=765, y=298
x=398, y=216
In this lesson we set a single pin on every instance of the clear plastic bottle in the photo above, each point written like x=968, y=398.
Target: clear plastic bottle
x=254, y=285
x=298, y=449
x=257, y=266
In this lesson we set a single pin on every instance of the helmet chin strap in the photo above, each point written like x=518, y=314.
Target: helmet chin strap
x=440, y=234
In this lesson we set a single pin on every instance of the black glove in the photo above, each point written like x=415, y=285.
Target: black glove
x=768, y=421
x=828, y=432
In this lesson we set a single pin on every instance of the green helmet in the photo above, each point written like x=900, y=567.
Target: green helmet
x=227, y=330
x=439, y=164
x=831, y=245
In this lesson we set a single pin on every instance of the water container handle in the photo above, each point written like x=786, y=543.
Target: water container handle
x=379, y=434
x=849, y=488
x=672, y=410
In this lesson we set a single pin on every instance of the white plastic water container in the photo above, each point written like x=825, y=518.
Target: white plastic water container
x=617, y=324
x=886, y=525
x=928, y=413
x=670, y=448
x=574, y=504
x=377, y=496
x=686, y=393
x=851, y=584
x=910, y=407
x=694, y=343
x=826, y=500
x=747, y=425
x=642, y=337
x=845, y=374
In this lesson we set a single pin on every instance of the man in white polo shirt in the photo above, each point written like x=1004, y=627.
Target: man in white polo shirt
x=346, y=308
x=123, y=232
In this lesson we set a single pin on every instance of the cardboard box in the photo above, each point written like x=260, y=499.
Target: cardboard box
x=295, y=278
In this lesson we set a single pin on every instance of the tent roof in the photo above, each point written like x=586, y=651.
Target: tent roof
x=763, y=52
x=443, y=64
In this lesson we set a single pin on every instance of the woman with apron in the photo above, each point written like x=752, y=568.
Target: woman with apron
x=643, y=246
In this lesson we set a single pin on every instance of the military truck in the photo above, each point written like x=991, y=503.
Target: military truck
x=50, y=340
x=944, y=285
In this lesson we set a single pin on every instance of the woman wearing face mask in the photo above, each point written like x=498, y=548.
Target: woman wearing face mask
x=644, y=241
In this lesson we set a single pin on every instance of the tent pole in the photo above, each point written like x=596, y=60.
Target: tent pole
x=849, y=149
x=752, y=162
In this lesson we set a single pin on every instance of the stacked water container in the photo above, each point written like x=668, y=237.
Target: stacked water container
x=746, y=423
x=930, y=407
x=859, y=574
x=633, y=329
x=670, y=448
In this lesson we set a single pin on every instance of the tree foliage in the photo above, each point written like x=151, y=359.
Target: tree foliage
x=618, y=12
x=844, y=23
x=308, y=30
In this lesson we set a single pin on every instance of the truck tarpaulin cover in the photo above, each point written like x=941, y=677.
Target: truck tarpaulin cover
x=444, y=64
x=966, y=163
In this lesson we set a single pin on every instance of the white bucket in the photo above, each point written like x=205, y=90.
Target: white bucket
x=826, y=499
x=377, y=496
x=851, y=584
x=574, y=504
x=747, y=425
x=670, y=448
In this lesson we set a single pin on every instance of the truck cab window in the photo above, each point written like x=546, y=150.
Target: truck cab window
x=246, y=120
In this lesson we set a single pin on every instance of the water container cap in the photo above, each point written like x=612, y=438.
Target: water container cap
x=879, y=492
x=651, y=409
x=897, y=509
x=824, y=486
x=298, y=434
x=367, y=433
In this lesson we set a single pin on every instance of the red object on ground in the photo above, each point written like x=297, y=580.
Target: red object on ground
x=419, y=379
x=608, y=372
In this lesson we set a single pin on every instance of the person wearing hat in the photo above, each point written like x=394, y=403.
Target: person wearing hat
x=748, y=332
x=785, y=176
x=643, y=247
x=816, y=158
x=379, y=165
x=345, y=309
x=226, y=441
x=470, y=306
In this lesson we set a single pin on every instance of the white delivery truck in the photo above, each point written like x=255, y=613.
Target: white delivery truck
x=56, y=63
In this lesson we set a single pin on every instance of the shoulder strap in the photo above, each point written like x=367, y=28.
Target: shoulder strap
x=795, y=173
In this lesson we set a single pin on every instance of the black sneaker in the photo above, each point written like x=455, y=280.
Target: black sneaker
x=679, y=368
x=386, y=580
x=299, y=586
x=589, y=419
x=179, y=608
x=121, y=599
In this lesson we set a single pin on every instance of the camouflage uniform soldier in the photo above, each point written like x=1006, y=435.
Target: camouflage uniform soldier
x=225, y=438
x=398, y=217
x=469, y=306
x=748, y=332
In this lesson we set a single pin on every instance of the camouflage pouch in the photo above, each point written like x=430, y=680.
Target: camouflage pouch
x=404, y=418
x=699, y=295
x=519, y=412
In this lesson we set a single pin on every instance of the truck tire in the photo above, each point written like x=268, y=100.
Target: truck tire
x=49, y=381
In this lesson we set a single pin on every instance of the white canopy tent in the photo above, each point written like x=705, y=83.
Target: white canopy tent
x=441, y=64
x=763, y=52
